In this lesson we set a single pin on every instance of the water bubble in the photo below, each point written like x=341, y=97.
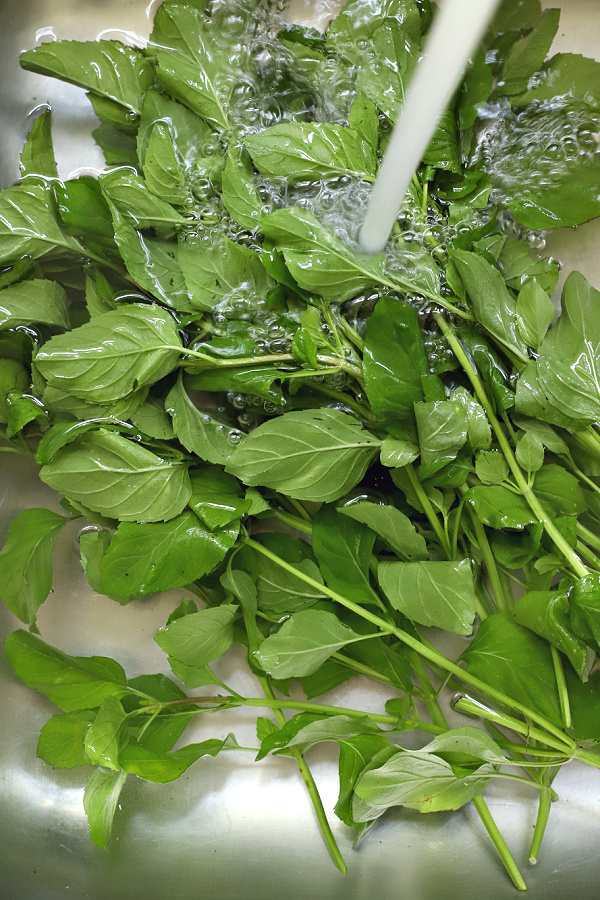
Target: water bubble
x=235, y=437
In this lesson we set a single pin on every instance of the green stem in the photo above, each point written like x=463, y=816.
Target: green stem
x=281, y=359
x=311, y=787
x=588, y=554
x=534, y=504
x=474, y=708
x=566, y=744
x=429, y=510
x=499, y=843
x=502, y=601
x=293, y=521
x=561, y=684
x=588, y=536
x=542, y=819
x=429, y=694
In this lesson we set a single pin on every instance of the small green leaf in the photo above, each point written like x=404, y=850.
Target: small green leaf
x=61, y=742
x=25, y=567
x=198, y=431
x=308, y=729
x=163, y=168
x=214, y=270
x=530, y=452
x=197, y=639
x=442, y=431
x=343, y=549
x=280, y=591
x=164, y=767
x=29, y=225
x=102, y=738
x=535, y=312
x=393, y=526
x=441, y=594
x=37, y=156
x=396, y=454
x=240, y=197
x=547, y=614
x=491, y=467
x=216, y=497
x=100, y=800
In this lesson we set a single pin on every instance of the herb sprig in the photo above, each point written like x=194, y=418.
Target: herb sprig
x=333, y=452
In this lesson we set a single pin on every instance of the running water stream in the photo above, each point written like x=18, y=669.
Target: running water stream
x=456, y=32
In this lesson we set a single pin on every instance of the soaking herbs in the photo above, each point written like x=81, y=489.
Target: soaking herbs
x=330, y=452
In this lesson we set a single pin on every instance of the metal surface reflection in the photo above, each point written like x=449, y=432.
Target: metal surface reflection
x=231, y=828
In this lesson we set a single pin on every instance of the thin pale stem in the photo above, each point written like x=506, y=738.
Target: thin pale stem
x=499, y=843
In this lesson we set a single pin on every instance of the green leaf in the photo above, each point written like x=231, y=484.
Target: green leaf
x=198, y=431
x=119, y=478
x=559, y=491
x=479, y=432
x=189, y=134
x=442, y=431
x=499, y=507
x=117, y=148
x=318, y=260
x=13, y=377
x=535, y=312
x=584, y=600
x=152, y=263
x=303, y=643
x=515, y=549
x=214, y=270
x=396, y=454
x=37, y=156
x=25, y=567
x=355, y=754
x=417, y=780
x=70, y=682
x=100, y=800
x=308, y=729
x=530, y=452
x=151, y=557
x=152, y=419
x=441, y=594
x=29, y=225
x=22, y=409
x=197, y=639
x=474, y=91
x=393, y=526
x=547, y=614
x=106, y=68
x=343, y=549
x=519, y=266
x=564, y=75
x=164, y=767
x=191, y=65
x=163, y=168
x=309, y=455
x=517, y=662
x=36, y=302
x=61, y=740
x=311, y=151
x=114, y=354
x=240, y=197
x=490, y=300
x=394, y=362
x=560, y=386
x=129, y=193
x=528, y=53
x=280, y=591
x=491, y=467
x=216, y=497
x=102, y=737
x=364, y=120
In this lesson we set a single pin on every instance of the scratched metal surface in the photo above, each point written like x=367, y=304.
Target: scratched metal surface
x=229, y=828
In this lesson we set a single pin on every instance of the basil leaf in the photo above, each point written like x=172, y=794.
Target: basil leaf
x=191, y=65
x=102, y=738
x=303, y=643
x=114, y=354
x=199, y=432
x=519, y=267
x=197, y=639
x=141, y=208
x=317, y=259
x=240, y=197
x=119, y=478
x=547, y=614
x=70, y=682
x=311, y=151
x=397, y=454
x=530, y=452
x=355, y=754
x=37, y=156
x=441, y=594
x=190, y=134
x=33, y=302
x=216, y=497
x=61, y=739
x=164, y=767
x=535, y=311
x=564, y=75
x=25, y=567
x=22, y=409
x=518, y=662
x=100, y=800
x=278, y=591
x=308, y=729
x=214, y=270
x=491, y=467
x=393, y=526
x=499, y=507
x=528, y=53
x=163, y=168
x=107, y=68
x=394, y=363
x=147, y=558
x=365, y=120
x=343, y=550
x=442, y=431
x=309, y=455
x=29, y=225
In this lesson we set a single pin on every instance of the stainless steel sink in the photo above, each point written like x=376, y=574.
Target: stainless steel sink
x=229, y=829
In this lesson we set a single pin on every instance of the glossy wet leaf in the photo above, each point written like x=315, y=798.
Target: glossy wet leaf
x=355, y=754
x=392, y=525
x=240, y=197
x=114, y=354
x=530, y=453
x=343, y=550
x=198, y=431
x=70, y=682
x=102, y=738
x=535, y=311
x=216, y=497
x=119, y=478
x=33, y=302
x=100, y=800
x=197, y=639
x=215, y=270
x=547, y=614
x=528, y=53
x=37, y=156
x=307, y=728
x=279, y=591
x=61, y=742
x=442, y=431
x=164, y=767
x=146, y=558
x=303, y=643
x=441, y=594
x=309, y=455
x=163, y=167
x=25, y=561
x=141, y=208
x=29, y=225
